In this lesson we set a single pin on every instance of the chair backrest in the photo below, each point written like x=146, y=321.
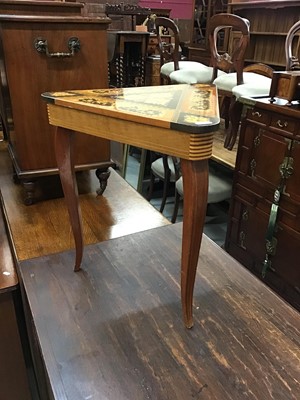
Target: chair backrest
x=168, y=50
x=228, y=62
x=261, y=69
x=291, y=60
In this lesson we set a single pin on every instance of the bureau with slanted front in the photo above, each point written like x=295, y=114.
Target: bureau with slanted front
x=264, y=226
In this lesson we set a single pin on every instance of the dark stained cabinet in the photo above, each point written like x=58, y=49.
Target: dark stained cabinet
x=14, y=381
x=37, y=56
x=264, y=228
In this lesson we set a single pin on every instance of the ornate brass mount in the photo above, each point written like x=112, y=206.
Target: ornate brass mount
x=41, y=46
x=286, y=170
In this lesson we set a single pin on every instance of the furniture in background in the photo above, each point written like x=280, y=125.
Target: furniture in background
x=219, y=188
x=263, y=87
x=292, y=53
x=259, y=87
x=125, y=17
x=14, y=380
x=165, y=169
x=134, y=116
x=270, y=22
x=264, y=229
x=174, y=69
x=233, y=64
x=127, y=66
x=227, y=68
x=61, y=51
x=199, y=49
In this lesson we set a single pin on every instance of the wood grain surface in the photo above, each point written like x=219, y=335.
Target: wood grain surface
x=113, y=330
x=44, y=227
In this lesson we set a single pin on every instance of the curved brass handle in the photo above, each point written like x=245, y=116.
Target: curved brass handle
x=256, y=114
x=41, y=46
x=282, y=124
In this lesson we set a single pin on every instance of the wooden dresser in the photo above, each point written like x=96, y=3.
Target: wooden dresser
x=43, y=52
x=264, y=227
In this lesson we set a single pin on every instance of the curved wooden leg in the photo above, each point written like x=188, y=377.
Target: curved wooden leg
x=225, y=111
x=195, y=187
x=102, y=175
x=166, y=182
x=64, y=139
x=176, y=207
x=235, y=113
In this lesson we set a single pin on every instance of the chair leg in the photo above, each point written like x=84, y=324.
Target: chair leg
x=225, y=110
x=235, y=112
x=237, y=109
x=176, y=207
x=151, y=186
x=166, y=183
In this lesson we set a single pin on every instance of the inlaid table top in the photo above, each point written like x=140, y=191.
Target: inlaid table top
x=187, y=108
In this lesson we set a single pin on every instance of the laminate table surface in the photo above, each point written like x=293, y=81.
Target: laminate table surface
x=178, y=120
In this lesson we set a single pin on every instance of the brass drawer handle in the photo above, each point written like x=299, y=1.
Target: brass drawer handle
x=282, y=124
x=41, y=46
x=256, y=114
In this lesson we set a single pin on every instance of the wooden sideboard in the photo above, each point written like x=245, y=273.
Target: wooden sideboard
x=264, y=224
x=44, y=53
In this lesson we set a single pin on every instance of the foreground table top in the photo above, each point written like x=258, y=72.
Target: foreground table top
x=178, y=120
x=113, y=330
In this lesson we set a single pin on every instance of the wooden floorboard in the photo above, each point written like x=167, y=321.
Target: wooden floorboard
x=114, y=329
x=44, y=227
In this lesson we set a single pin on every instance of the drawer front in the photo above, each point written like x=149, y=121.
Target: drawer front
x=246, y=241
x=261, y=155
x=284, y=125
x=257, y=115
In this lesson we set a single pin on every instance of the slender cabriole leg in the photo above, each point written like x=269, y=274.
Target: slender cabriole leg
x=64, y=139
x=195, y=187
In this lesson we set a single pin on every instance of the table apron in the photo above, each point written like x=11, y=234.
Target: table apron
x=188, y=146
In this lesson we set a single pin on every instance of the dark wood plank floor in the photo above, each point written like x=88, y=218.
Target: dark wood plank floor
x=114, y=330
x=44, y=227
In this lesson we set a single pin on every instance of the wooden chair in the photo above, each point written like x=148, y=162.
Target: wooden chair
x=226, y=70
x=291, y=53
x=232, y=63
x=260, y=87
x=170, y=56
x=219, y=189
x=164, y=168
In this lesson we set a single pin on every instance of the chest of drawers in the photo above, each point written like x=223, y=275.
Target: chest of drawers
x=264, y=224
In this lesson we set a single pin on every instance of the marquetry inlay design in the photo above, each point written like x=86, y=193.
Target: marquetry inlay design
x=178, y=120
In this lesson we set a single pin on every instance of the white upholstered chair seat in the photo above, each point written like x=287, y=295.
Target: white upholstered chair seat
x=157, y=168
x=228, y=81
x=253, y=89
x=198, y=75
x=219, y=187
x=168, y=68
